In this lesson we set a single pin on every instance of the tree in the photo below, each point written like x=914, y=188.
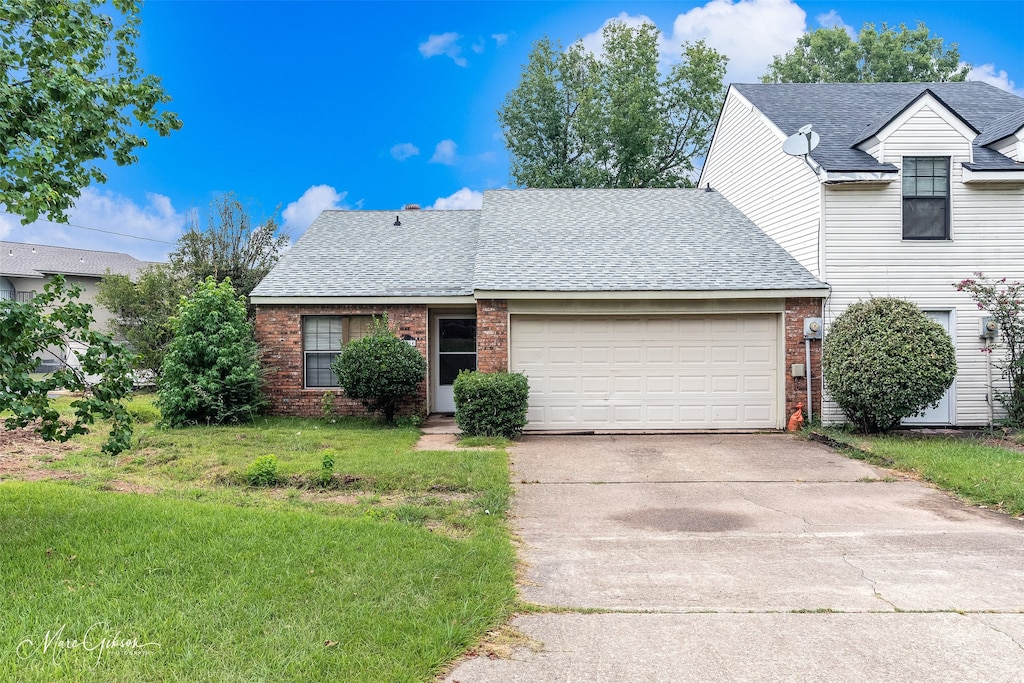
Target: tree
x=232, y=246
x=380, y=369
x=1004, y=302
x=211, y=371
x=55, y=320
x=831, y=55
x=142, y=310
x=72, y=93
x=579, y=120
x=884, y=360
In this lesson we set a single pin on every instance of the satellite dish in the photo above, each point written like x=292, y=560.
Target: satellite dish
x=802, y=142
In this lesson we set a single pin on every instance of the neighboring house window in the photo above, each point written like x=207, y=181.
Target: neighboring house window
x=322, y=339
x=926, y=198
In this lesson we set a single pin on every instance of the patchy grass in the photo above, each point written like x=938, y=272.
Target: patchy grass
x=386, y=574
x=483, y=442
x=981, y=473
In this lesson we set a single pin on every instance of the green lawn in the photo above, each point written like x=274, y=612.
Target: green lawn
x=385, y=576
x=981, y=473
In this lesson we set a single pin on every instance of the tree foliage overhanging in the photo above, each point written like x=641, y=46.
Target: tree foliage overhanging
x=72, y=93
x=831, y=55
x=53, y=322
x=580, y=120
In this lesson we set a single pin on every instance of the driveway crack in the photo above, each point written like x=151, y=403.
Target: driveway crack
x=789, y=513
x=871, y=582
x=999, y=631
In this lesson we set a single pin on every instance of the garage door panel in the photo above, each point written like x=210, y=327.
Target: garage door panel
x=649, y=372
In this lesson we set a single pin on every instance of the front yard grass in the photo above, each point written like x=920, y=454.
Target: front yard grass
x=386, y=575
x=981, y=473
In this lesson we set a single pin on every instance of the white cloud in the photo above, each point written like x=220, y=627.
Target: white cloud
x=593, y=42
x=463, y=199
x=157, y=221
x=443, y=44
x=987, y=73
x=750, y=32
x=500, y=39
x=404, y=150
x=478, y=46
x=299, y=214
x=833, y=20
x=444, y=153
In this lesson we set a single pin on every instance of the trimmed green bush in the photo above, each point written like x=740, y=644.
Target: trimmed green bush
x=884, y=360
x=491, y=404
x=380, y=369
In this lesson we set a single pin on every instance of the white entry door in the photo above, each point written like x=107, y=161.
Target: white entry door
x=942, y=414
x=454, y=350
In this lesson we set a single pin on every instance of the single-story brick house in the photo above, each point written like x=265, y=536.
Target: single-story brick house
x=627, y=309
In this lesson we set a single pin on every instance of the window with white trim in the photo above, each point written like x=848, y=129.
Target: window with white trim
x=926, y=198
x=323, y=337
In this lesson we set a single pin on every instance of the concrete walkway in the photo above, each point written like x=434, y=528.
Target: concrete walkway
x=753, y=557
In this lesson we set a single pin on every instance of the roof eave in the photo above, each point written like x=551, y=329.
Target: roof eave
x=264, y=300
x=817, y=292
x=975, y=174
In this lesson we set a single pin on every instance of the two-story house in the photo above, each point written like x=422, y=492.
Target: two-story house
x=26, y=268
x=911, y=188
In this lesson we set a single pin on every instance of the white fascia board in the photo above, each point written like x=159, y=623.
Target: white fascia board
x=1008, y=176
x=818, y=293
x=865, y=177
x=944, y=112
x=340, y=300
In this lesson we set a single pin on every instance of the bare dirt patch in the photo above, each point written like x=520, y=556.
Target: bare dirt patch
x=23, y=454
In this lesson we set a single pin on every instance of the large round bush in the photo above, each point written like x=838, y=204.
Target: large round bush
x=380, y=370
x=885, y=360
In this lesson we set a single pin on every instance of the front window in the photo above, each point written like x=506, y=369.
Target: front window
x=322, y=339
x=926, y=198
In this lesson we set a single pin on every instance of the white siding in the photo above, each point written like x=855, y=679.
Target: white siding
x=1010, y=147
x=866, y=255
x=778, y=192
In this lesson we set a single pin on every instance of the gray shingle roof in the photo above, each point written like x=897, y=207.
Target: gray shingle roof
x=362, y=253
x=36, y=260
x=1002, y=128
x=845, y=113
x=626, y=240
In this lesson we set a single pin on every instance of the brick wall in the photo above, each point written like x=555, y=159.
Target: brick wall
x=796, y=387
x=279, y=333
x=492, y=335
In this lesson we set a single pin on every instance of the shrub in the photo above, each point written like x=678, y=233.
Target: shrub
x=884, y=360
x=262, y=471
x=211, y=372
x=1002, y=300
x=379, y=370
x=491, y=404
x=326, y=469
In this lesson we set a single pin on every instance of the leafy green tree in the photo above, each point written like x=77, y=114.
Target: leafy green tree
x=54, y=319
x=380, y=370
x=142, y=310
x=884, y=360
x=830, y=55
x=579, y=120
x=1004, y=302
x=72, y=93
x=211, y=371
x=233, y=246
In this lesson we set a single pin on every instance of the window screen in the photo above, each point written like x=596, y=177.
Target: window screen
x=925, y=198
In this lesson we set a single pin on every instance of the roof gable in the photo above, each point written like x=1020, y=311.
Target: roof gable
x=889, y=123
x=845, y=114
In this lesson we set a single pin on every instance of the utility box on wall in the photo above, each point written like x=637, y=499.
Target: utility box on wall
x=812, y=328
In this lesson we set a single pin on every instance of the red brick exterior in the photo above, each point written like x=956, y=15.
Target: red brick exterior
x=492, y=335
x=279, y=333
x=796, y=387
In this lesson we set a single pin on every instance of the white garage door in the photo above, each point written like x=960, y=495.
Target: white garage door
x=649, y=372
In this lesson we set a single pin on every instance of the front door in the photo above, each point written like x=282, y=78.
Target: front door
x=454, y=350
x=941, y=414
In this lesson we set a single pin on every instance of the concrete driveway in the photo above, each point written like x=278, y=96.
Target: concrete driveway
x=752, y=557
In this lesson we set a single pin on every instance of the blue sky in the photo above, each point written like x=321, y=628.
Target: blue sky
x=297, y=107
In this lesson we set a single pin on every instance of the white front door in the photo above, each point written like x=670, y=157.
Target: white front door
x=941, y=414
x=454, y=350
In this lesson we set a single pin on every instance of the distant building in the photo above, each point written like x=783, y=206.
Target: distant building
x=26, y=268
